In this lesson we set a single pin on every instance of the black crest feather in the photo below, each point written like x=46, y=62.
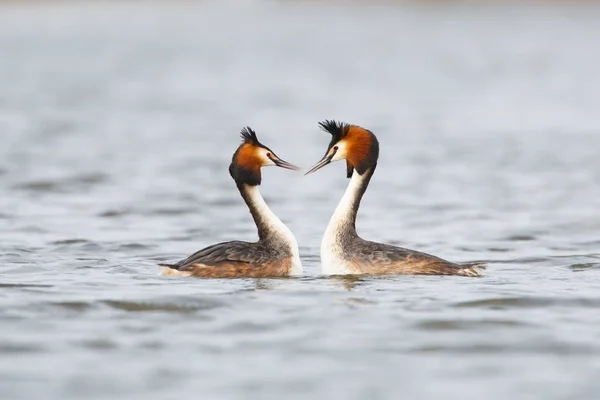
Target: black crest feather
x=337, y=129
x=249, y=136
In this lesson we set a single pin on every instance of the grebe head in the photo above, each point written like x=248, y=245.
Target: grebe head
x=358, y=146
x=250, y=156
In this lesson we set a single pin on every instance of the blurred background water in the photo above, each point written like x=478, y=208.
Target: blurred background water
x=117, y=124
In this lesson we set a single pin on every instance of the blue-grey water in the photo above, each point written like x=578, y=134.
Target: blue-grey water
x=117, y=125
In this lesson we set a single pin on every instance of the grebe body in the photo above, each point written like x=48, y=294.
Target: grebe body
x=275, y=254
x=343, y=252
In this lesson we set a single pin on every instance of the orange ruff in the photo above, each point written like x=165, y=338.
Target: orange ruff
x=359, y=144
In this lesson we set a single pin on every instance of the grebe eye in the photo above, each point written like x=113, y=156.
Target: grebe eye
x=269, y=155
x=335, y=148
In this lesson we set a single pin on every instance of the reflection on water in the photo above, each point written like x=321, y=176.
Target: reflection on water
x=117, y=124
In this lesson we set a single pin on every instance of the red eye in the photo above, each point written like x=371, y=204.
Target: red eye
x=269, y=155
x=335, y=148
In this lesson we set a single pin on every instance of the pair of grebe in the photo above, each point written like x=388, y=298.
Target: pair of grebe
x=343, y=252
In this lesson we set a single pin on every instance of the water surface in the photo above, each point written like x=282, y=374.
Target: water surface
x=117, y=124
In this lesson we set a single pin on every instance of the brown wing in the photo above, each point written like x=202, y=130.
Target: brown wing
x=379, y=258
x=234, y=259
x=227, y=252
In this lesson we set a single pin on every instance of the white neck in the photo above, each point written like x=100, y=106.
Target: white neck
x=345, y=212
x=269, y=225
x=342, y=223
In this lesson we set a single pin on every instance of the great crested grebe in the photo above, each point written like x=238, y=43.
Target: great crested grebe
x=342, y=250
x=276, y=252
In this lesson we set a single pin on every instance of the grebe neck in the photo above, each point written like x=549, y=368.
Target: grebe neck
x=271, y=229
x=344, y=216
x=267, y=223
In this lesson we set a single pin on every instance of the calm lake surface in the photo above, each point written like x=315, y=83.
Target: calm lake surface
x=117, y=125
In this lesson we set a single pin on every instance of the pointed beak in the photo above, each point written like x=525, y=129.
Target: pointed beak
x=284, y=164
x=324, y=161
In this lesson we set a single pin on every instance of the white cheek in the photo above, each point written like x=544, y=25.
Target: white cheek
x=340, y=154
x=266, y=161
x=337, y=157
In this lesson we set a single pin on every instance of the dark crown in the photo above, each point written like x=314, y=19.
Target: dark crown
x=249, y=136
x=337, y=129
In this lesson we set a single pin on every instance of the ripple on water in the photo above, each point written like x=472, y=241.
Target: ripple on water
x=128, y=247
x=115, y=213
x=529, y=302
x=357, y=302
x=169, y=211
x=557, y=348
x=245, y=327
x=69, y=241
x=17, y=348
x=520, y=238
x=23, y=285
x=584, y=266
x=38, y=186
x=499, y=249
x=99, y=344
x=77, y=182
x=189, y=307
x=73, y=305
x=458, y=325
x=77, y=245
x=223, y=202
x=522, y=260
